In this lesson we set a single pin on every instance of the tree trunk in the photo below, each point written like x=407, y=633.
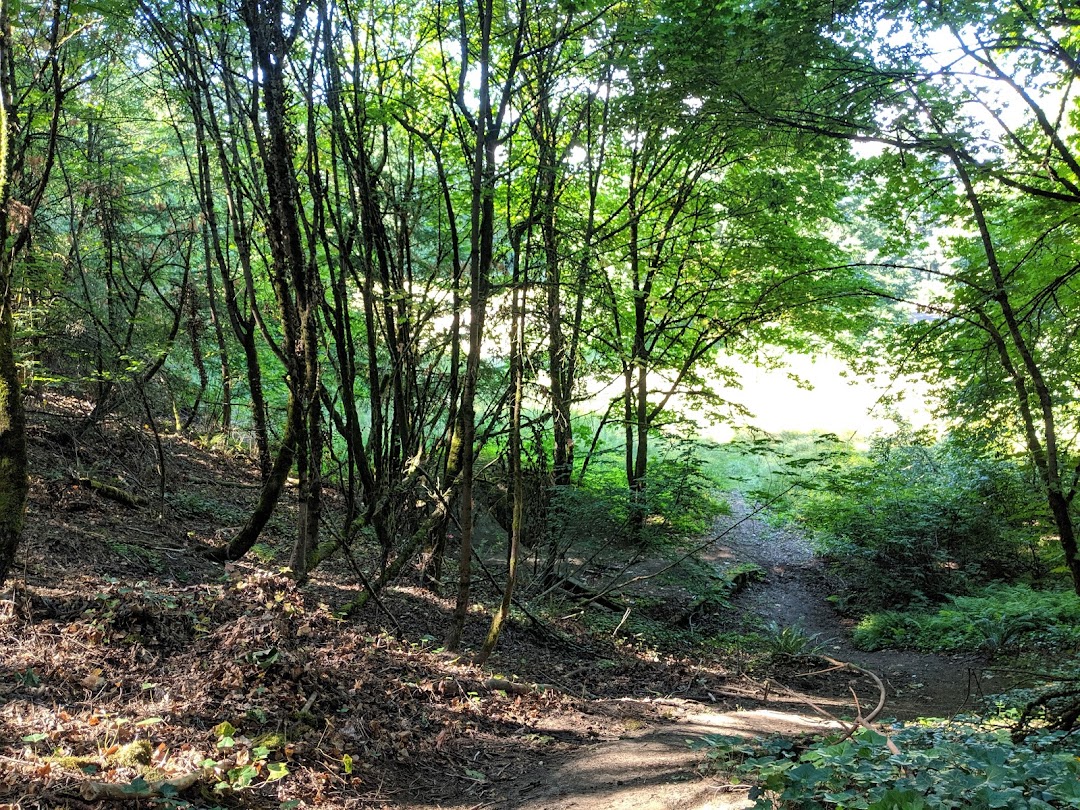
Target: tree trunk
x=13, y=465
x=13, y=480
x=272, y=488
x=480, y=261
x=517, y=483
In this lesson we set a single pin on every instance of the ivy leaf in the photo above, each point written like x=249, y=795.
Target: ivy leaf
x=224, y=729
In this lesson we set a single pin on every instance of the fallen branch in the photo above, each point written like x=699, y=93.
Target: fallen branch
x=453, y=687
x=860, y=721
x=141, y=789
x=799, y=696
x=872, y=676
x=121, y=496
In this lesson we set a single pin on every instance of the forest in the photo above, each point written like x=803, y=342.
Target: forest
x=374, y=397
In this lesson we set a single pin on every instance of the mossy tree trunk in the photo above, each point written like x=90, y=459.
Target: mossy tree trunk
x=12, y=433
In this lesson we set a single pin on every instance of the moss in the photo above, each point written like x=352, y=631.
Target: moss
x=134, y=754
x=305, y=718
x=274, y=741
x=72, y=762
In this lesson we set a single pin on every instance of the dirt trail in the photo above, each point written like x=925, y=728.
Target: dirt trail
x=655, y=769
x=794, y=594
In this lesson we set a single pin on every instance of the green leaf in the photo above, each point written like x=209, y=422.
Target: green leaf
x=224, y=729
x=137, y=787
x=242, y=777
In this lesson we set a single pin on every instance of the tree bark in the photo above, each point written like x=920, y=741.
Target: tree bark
x=14, y=485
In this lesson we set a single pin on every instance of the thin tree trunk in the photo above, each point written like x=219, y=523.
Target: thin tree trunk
x=481, y=243
x=517, y=523
x=1044, y=452
x=219, y=336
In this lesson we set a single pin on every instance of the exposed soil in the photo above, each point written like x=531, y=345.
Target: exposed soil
x=123, y=651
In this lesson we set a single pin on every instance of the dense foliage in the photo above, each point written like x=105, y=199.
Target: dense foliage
x=378, y=244
x=391, y=247
x=999, y=619
x=464, y=279
x=914, y=520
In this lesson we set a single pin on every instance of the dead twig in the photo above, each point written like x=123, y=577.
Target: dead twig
x=872, y=676
x=860, y=720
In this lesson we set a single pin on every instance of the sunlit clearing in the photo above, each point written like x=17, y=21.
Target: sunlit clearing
x=832, y=400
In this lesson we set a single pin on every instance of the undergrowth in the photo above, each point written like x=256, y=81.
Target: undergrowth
x=905, y=523
x=964, y=763
x=998, y=618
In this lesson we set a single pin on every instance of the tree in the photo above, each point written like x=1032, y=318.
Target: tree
x=13, y=481
x=713, y=232
x=982, y=96
x=34, y=81
x=261, y=126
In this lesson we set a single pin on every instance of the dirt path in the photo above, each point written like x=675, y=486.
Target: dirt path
x=794, y=594
x=654, y=768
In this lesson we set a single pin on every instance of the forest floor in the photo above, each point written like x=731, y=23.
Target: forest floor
x=127, y=660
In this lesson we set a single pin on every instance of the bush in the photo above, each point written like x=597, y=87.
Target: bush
x=916, y=520
x=679, y=489
x=678, y=502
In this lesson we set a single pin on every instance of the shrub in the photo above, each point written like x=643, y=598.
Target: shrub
x=679, y=500
x=790, y=642
x=1000, y=617
x=917, y=520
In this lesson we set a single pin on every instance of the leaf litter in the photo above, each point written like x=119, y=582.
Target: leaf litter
x=129, y=663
